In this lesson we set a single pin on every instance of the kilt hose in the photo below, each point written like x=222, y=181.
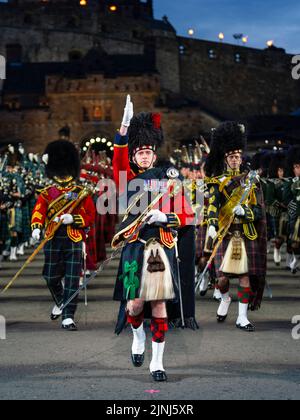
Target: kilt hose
x=63, y=261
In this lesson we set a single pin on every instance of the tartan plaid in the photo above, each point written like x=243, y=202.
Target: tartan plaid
x=244, y=294
x=200, y=241
x=159, y=327
x=135, y=321
x=63, y=260
x=18, y=226
x=26, y=221
x=256, y=257
x=256, y=250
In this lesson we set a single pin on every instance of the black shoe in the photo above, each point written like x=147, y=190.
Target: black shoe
x=159, y=376
x=247, y=328
x=71, y=327
x=138, y=359
x=221, y=318
x=53, y=316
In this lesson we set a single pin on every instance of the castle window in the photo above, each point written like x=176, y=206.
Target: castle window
x=212, y=55
x=239, y=58
x=108, y=114
x=182, y=50
x=85, y=115
x=97, y=113
x=75, y=55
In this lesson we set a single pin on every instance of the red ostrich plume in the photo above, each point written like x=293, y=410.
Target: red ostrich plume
x=156, y=118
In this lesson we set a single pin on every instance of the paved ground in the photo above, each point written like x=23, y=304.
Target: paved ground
x=39, y=361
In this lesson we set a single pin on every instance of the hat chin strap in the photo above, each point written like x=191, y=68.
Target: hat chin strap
x=228, y=165
x=151, y=164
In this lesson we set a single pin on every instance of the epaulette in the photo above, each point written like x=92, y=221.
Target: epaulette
x=44, y=190
x=212, y=180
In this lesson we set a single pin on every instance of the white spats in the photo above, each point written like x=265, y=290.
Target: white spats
x=157, y=357
x=21, y=250
x=277, y=256
x=224, y=305
x=243, y=320
x=67, y=322
x=139, y=339
x=13, y=254
x=217, y=295
x=56, y=311
x=293, y=262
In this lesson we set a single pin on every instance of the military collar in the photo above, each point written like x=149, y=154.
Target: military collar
x=231, y=172
x=62, y=183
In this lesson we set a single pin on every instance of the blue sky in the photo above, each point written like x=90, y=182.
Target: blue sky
x=261, y=20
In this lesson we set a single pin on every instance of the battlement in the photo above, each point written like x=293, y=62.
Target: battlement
x=220, y=53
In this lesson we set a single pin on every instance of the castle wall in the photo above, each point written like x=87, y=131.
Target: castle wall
x=260, y=83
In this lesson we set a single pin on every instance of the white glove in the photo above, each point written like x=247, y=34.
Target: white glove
x=157, y=216
x=239, y=211
x=212, y=232
x=67, y=219
x=56, y=220
x=36, y=234
x=128, y=112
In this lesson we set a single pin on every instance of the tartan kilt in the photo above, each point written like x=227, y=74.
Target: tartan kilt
x=18, y=225
x=26, y=231
x=200, y=241
x=256, y=258
x=133, y=253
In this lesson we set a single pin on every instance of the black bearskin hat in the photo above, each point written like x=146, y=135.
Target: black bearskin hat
x=256, y=162
x=63, y=159
x=14, y=157
x=64, y=133
x=293, y=158
x=277, y=162
x=230, y=137
x=145, y=132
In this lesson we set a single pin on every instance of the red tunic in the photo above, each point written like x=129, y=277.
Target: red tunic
x=52, y=201
x=177, y=209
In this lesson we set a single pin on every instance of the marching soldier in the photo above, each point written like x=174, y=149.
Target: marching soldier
x=242, y=253
x=291, y=198
x=64, y=250
x=148, y=282
x=277, y=208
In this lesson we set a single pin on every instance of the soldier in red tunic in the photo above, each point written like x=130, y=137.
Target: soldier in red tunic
x=148, y=283
x=64, y=250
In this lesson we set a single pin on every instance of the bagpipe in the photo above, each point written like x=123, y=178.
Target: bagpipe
x=74, y=204
x=239, y=197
